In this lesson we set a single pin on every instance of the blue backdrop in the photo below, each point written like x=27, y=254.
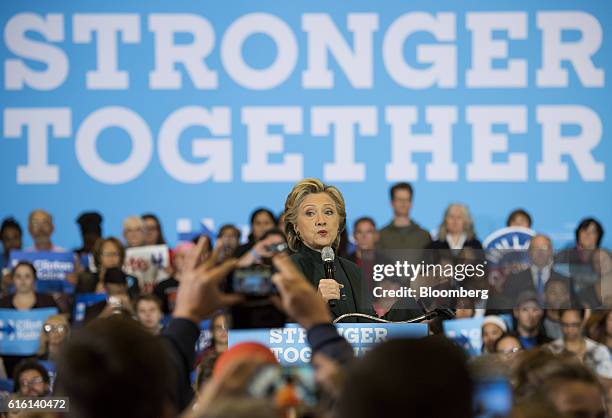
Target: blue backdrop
x=196, y=109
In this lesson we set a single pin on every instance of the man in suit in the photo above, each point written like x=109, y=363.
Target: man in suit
x=537, y=275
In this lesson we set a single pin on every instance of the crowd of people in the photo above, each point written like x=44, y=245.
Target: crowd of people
x=546, y=333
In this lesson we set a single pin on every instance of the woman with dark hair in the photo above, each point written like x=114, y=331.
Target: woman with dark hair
x=217, y=346
x=262, y=220
x=578, y=259
x=519, y=217
x=153, y=231
x=24, y=299
x=107, y=253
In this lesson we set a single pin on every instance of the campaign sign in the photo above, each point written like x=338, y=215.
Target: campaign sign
x=467, y=332
x=51, y=267
x=146, y=264
x=290, y=346
x=20, y=330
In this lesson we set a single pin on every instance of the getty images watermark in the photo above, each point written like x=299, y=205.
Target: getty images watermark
x=427, y=277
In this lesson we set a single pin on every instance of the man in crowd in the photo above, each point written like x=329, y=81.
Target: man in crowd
x=528, y=316
x=31, y=379
x=366, y=237
x=534, y=278
x=40, y=226
x=402, y=232
x=594, y=355
x=149, y=313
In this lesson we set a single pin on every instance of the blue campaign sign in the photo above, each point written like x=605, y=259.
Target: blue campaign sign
x=20, y=330
x=51, y=269
x=290, y=346
x=467, y=332
x=499, y=105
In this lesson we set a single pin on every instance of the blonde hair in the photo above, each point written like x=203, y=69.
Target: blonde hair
x=43, y=347
x=295, y=199
x=468, y=227
x=134, y=220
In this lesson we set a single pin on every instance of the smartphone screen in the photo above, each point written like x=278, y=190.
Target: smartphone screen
x=255, y=281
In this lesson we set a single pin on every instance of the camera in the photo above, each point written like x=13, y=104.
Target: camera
x=252, y=281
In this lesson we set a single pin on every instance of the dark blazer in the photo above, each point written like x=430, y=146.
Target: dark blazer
x=347, y=273
x=523, y=281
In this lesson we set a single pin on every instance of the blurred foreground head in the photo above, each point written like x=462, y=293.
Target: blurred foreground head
x=425, y=377
x=114, y=368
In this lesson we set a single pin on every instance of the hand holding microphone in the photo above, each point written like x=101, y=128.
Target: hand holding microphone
x=329, y=288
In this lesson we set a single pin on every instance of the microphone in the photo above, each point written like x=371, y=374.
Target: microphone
x=328, y=256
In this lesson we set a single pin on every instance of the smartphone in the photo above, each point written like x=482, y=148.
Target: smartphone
x=114, y=302
x=253, y=281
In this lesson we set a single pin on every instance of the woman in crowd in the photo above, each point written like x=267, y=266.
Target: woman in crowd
x=315, y=215
x=262, y=220
x=456, y=230
x=218, y=345
x=24, y=299
x=493, y=327
x=107, y=253
x=228, y=239
x=260, y=254
x=153, y=232
x=578, y=259
x=134, y=231
x=55, y=331
x=508, y=346
x=519, y=217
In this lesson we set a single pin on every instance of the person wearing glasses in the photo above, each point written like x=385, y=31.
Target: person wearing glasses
x=54, y=333
x=507, y=346
x=593, y=354
x=31, y=379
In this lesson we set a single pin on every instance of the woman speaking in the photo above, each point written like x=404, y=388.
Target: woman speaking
x=315, y=216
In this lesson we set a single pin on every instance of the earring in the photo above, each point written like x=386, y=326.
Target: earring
x=298, y=235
